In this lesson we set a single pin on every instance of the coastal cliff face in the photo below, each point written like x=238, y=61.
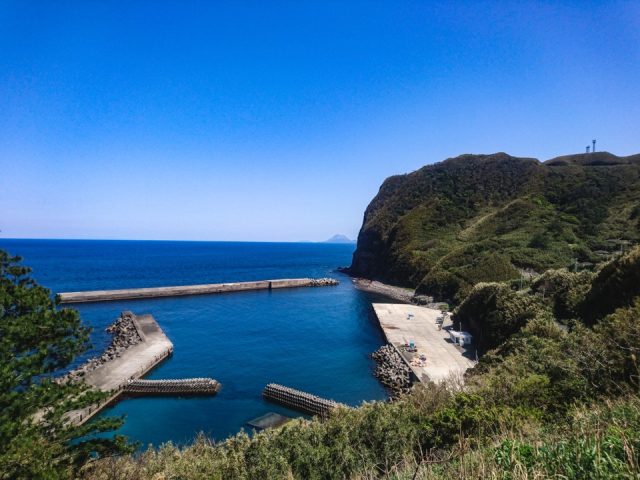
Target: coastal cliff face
x=476, y=218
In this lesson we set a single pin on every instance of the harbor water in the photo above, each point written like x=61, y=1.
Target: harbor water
x=313, y=339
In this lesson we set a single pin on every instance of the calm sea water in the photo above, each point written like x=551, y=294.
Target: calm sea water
x=314, y=339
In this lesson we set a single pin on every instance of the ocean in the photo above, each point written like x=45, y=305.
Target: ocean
x=313, y=339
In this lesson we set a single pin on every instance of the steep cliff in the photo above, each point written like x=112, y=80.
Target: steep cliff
x=475, y=218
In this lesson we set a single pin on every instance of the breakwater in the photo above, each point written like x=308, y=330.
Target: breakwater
x=145, y=346
x=125, y=335
x=392, y=370
x=182, y=386
x=299, y=400
x=154, y=292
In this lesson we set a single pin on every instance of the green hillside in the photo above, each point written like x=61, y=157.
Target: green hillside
x=479, y=218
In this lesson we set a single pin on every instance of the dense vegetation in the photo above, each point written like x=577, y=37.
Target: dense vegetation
x=488, y=218
x=552, y=396
x=37, y=339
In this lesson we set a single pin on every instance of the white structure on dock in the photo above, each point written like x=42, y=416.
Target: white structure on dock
x=460, y=338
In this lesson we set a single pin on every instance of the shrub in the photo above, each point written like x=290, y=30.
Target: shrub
x=493, y=312
x=440, y=284
x=563, y=290
x=615, y=285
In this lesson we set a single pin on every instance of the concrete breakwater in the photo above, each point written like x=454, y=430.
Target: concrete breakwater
x=112, y=374
x=183, y=386
x=125, y=335
x=299, y=400
x=392, y=371
x=135, y=293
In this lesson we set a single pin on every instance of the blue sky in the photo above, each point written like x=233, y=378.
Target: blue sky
x=279, y=120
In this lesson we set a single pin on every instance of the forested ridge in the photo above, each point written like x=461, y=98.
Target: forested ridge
x=479, y=218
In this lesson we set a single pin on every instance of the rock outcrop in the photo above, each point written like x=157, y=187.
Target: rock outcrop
x=486, y=218
x=392, y=371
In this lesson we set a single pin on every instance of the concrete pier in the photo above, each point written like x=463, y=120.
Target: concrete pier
x=402, y=324
x=136, y=293
x=114, y=375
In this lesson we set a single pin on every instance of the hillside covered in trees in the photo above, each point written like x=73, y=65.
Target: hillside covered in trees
x=484, y=218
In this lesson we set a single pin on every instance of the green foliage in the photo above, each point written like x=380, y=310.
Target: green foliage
x=480, y=218
x=563, y=290
x=493, y=312
x=615, y=285
x=602, y=444
x=441, y=283
x=619, y=335
x=36, y=339
x=456, y=274
x=540, y=240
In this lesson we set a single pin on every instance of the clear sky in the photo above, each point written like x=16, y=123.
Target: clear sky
x=279, y=120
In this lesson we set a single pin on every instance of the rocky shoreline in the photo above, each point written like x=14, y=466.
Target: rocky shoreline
x=401, y=294
x=392, y=371
x=125, y=335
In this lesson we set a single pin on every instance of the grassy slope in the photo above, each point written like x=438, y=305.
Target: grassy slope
x=479, y=218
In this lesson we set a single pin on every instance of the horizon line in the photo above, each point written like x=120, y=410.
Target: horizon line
x=351, y=241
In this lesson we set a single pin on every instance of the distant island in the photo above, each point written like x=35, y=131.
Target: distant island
x=339, y=238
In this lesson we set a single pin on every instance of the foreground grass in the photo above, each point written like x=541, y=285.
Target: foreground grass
x=599, y=440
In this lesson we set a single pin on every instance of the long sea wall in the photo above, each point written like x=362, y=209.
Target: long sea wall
x=135, y=293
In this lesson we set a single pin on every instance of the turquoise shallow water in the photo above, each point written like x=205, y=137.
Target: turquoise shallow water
x=314, y=339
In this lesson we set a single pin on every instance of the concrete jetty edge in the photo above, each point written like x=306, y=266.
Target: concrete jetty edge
x=402, y=323
x=154, y=292
x=135, y=362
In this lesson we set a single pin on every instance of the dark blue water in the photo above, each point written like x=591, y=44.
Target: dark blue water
x=314, y=339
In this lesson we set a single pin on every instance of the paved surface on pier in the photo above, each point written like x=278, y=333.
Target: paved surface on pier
x=443, y=357
x=133, y=363
x=133, y=293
